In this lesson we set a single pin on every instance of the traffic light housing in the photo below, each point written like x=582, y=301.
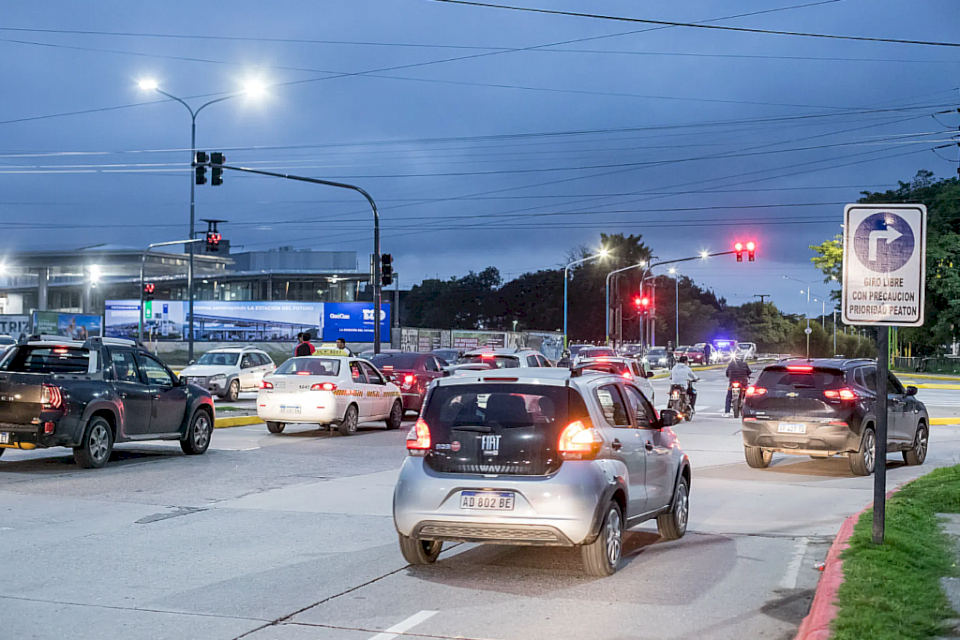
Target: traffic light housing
x=201, y=167
x=213, y=241
x=739, y=249
x=148, y=290
x=386, y=269
x=751, y=251
x=216, y=173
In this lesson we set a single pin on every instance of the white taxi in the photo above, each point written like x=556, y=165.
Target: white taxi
x=328, y=389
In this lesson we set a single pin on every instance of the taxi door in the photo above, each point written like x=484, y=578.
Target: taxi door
x=378, y=387
x=361, y=391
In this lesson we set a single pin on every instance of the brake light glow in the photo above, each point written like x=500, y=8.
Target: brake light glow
x=51, y=397
x=266, y=385
x=61, y=350
x=755, y=391
x=579, y=442
x=735, y=385
x=303, y=373
x=324, y=386
x=842, y=394
x=798, y=369
x=418, y=440
x=409, y=379
x=487, y=355
x=628, y=375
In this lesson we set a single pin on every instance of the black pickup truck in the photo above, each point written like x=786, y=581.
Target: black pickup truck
x=90, y=395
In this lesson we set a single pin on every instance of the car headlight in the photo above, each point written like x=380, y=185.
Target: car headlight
x=218, y=378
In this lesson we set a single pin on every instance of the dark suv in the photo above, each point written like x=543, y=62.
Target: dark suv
x=827, y=407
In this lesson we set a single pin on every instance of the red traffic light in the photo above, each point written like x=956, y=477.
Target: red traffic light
x=149, y=288
x=645, y=302
x=638, y=301
x=751, y=246
x=738, y=247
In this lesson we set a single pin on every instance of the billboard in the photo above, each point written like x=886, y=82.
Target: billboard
x=13, y=326
x=475, y=339
x=353, y=321
x=214, y=320
x=68, y=325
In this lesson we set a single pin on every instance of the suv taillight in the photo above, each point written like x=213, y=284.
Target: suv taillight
x=266, y=385
x=51, y=397
x=323, y=386
x=418, y=440
x=842, y=394
x=579, y=442
x=755, y=391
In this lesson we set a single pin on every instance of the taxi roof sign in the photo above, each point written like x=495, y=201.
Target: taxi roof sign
x=884, y=264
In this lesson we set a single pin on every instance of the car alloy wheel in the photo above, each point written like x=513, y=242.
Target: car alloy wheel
x=201, y=431
x=681, y=508
x=869, y=451
x=921, y=445
x=99, y=443
x=614, y=537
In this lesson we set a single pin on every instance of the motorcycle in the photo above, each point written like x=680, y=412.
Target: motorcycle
x=680, y=401
x=738, y=393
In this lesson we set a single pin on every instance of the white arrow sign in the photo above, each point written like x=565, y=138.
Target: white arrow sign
x=890, y=235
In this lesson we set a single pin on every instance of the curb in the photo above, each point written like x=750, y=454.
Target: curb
x=240, y=421
x=823, y=609
x=944, y=421
x=943, y=387
x=948, y=378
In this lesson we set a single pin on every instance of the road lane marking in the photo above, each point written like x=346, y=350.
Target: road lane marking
x=406, y=625
x=793, y=569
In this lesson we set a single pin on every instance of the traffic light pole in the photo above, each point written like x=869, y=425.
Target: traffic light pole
x=377, y=288
x=143, y=260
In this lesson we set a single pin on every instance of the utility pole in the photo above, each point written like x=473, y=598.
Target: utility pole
x=763, y=297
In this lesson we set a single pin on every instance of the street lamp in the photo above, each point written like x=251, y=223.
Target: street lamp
x=676, y=299
x=639, y=265
x=254, y=87
x=808, y=331
x=603, y=253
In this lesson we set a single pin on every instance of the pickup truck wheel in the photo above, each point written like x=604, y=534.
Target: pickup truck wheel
x=601, y=557
x=233, y=391
x=419, y=552
x=96, y=446
x=198, y=434
x=396, y=416
x=673, y=524
x=275, y=427
x=348, y=426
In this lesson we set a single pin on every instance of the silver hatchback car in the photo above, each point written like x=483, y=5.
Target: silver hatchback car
x=539, y=457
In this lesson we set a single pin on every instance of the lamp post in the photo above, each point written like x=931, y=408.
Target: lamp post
x=639, y=265
x=603, y=253
x=807, y=313
x=676, y=300
x=252, y=88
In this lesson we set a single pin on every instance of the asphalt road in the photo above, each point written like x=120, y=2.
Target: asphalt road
x=290, y=536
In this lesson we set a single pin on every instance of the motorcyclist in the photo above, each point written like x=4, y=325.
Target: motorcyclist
x=737, y=371
x=565, y=360
x=683, y=375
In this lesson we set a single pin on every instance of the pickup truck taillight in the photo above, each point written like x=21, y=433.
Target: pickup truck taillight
x=51, y=397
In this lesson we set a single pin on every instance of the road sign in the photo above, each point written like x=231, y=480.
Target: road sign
x=884, y=264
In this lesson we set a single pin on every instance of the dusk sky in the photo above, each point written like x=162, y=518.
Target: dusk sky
x=487, y=136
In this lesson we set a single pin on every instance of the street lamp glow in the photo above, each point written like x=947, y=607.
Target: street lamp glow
x=94, y=273
x=148, y=84
x=604, y=252
x=255, y=87
x=704, y=254
x=673, y=270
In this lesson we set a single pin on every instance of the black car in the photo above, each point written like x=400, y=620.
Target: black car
x=827, y=407
x=90, y=395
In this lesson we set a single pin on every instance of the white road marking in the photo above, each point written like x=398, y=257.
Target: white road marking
x=793, y=569
x=406, y=625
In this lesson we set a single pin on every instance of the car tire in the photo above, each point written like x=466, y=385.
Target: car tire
x=396, y=416
x=673, y=524
x=348, y=426
x=199, y=434
x=419, y=552
x=96, y=446
x=863, y=461
x=916, y=455
x=275, y=427
x=233, y=391
x=602, y=556
x=756, y=457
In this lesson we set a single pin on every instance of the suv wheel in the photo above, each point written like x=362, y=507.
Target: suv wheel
x=863, y=461
x=198, y=434
x=233, y=391
x=396, y=416
x=918, y=453
x=348, y=426
x=756, y=457
x=419, y=552
x=601, y=557
x=96, y=446
x=673, y=524
x=275, y=427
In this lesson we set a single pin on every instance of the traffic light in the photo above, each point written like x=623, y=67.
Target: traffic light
x=216, y=173
x=751, y=251
x=148, y=290
x=201, y=167
x=386, y=269
x=739, y=249
x=644, y=305
x=213, y=241
x=638, y=301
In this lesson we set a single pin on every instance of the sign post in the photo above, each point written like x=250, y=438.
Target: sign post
x=884, y=278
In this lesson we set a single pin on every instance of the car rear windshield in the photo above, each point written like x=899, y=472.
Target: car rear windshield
x=500, y=362
x=784, y=379
x=396, y=360
x=7, y=340
x=221, y=359
x=499, y=428
x=596, y=353
x=50, y=359
x=309, y=367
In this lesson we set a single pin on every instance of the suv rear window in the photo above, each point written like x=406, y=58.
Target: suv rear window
x=499, y=428
x=500, y=362
x=783, y=379
x=50, y=359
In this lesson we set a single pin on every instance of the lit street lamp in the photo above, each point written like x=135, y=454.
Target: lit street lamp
x=603, y=253
x=808, y=331
x=253, y=88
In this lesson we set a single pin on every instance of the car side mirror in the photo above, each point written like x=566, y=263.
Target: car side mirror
x=912, y=391
x=668, y=418
x=182, y=382
x=649, y=374
x=192, y=362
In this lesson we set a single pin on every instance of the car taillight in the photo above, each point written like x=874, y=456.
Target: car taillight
x=418, y=440
x=842, y=394
x=797, y=369
x=579, y=442
x=409, y=380
x=755, y=391
x=266, y=385
x=628, y=375
x=50, y=397
x=324, y=386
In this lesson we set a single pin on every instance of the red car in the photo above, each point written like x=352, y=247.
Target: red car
x=412, y=372
x=694, y=355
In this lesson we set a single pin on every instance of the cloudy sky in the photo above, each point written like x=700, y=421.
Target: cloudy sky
x=487, y=136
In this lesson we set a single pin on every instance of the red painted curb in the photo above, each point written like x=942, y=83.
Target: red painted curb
x=816, y=626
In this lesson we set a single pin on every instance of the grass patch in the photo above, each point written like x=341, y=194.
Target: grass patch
x=893, y=591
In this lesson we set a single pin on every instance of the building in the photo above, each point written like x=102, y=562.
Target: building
x=81, y=281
